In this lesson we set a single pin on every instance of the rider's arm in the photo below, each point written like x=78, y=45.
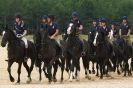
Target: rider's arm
x=81, y=27
x=129, y=31
x=25, y=33
x=55, y=34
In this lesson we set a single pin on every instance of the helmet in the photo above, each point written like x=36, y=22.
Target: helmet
x=44, y=17
x=104, y=20
x=74, y=14
x=124, y=17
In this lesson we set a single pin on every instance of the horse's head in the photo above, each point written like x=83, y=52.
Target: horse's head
x=72, y=29
x=7, y=36
x=91, y=36
x=99, y=38
x=44, y=34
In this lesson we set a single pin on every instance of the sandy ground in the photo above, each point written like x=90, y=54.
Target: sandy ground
x=112, y=82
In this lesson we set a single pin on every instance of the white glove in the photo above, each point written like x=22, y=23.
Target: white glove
x=69, y=28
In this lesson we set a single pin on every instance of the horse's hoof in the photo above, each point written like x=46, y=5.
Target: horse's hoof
x=124, y=75
x=28, y=81
x=62, y=79
x=54, y=80
x=70, y=80
x=97, y=75
x=12, y=79
x=17, y=83
x=86, y=76
x=108, y=75
x=50, y=81
x=89, y=78
x=101, y=77
x=93, y=71
x=118, y=72
x=89, y=71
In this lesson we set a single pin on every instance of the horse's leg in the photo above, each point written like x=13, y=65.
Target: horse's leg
x=28, y=70
x=93, y=65
x=40, y=71
x=62, y=67
x=49, y=68
x=38, y=64
x=97, y=74
x=19, y=71
x=55, y=66
x=125, y=68
x=9, y=70
x=130, y=67
x=77, y=68
x=44, y=70
x=85, y=65
x=101, y=70
x=71, y=70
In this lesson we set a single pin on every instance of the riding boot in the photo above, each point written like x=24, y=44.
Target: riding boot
x=26, y=55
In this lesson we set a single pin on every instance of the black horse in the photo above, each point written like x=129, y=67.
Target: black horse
x=16, y=53
x=88, y=54
x=72, y=48
x=123, y=55
x=104, y=52
x=49, y=53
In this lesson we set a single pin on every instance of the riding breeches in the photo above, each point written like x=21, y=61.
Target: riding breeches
x=25, y=42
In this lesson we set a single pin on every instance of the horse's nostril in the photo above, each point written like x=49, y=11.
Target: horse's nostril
x=39, y=56
x=83, y=53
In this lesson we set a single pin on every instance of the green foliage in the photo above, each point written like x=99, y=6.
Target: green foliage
x=33, y=10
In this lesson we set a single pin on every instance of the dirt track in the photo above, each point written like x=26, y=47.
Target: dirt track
x=112, y=82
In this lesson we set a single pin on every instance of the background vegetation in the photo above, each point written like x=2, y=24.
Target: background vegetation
x=33, y=10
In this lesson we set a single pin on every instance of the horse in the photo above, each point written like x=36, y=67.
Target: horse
x=103, y=52
x=16, y=53
x=72, y=49
x=49, y=54
x=88, y=54
x=123, y=54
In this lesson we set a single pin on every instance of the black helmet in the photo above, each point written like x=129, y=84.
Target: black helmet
x=74, y=14
x=18, y=15
x=125, y=18
x=104, y=20
x=44, y=17
x=51, y=17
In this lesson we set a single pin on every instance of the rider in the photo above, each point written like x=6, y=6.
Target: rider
x=75, y=21
x=104, y=27
x=44, y=22
x=21, y=31
x=125, y=28
x=114, y=32
x=93, y=29
x=53, y=29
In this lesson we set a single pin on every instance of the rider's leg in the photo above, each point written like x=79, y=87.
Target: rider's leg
x=26, y=47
